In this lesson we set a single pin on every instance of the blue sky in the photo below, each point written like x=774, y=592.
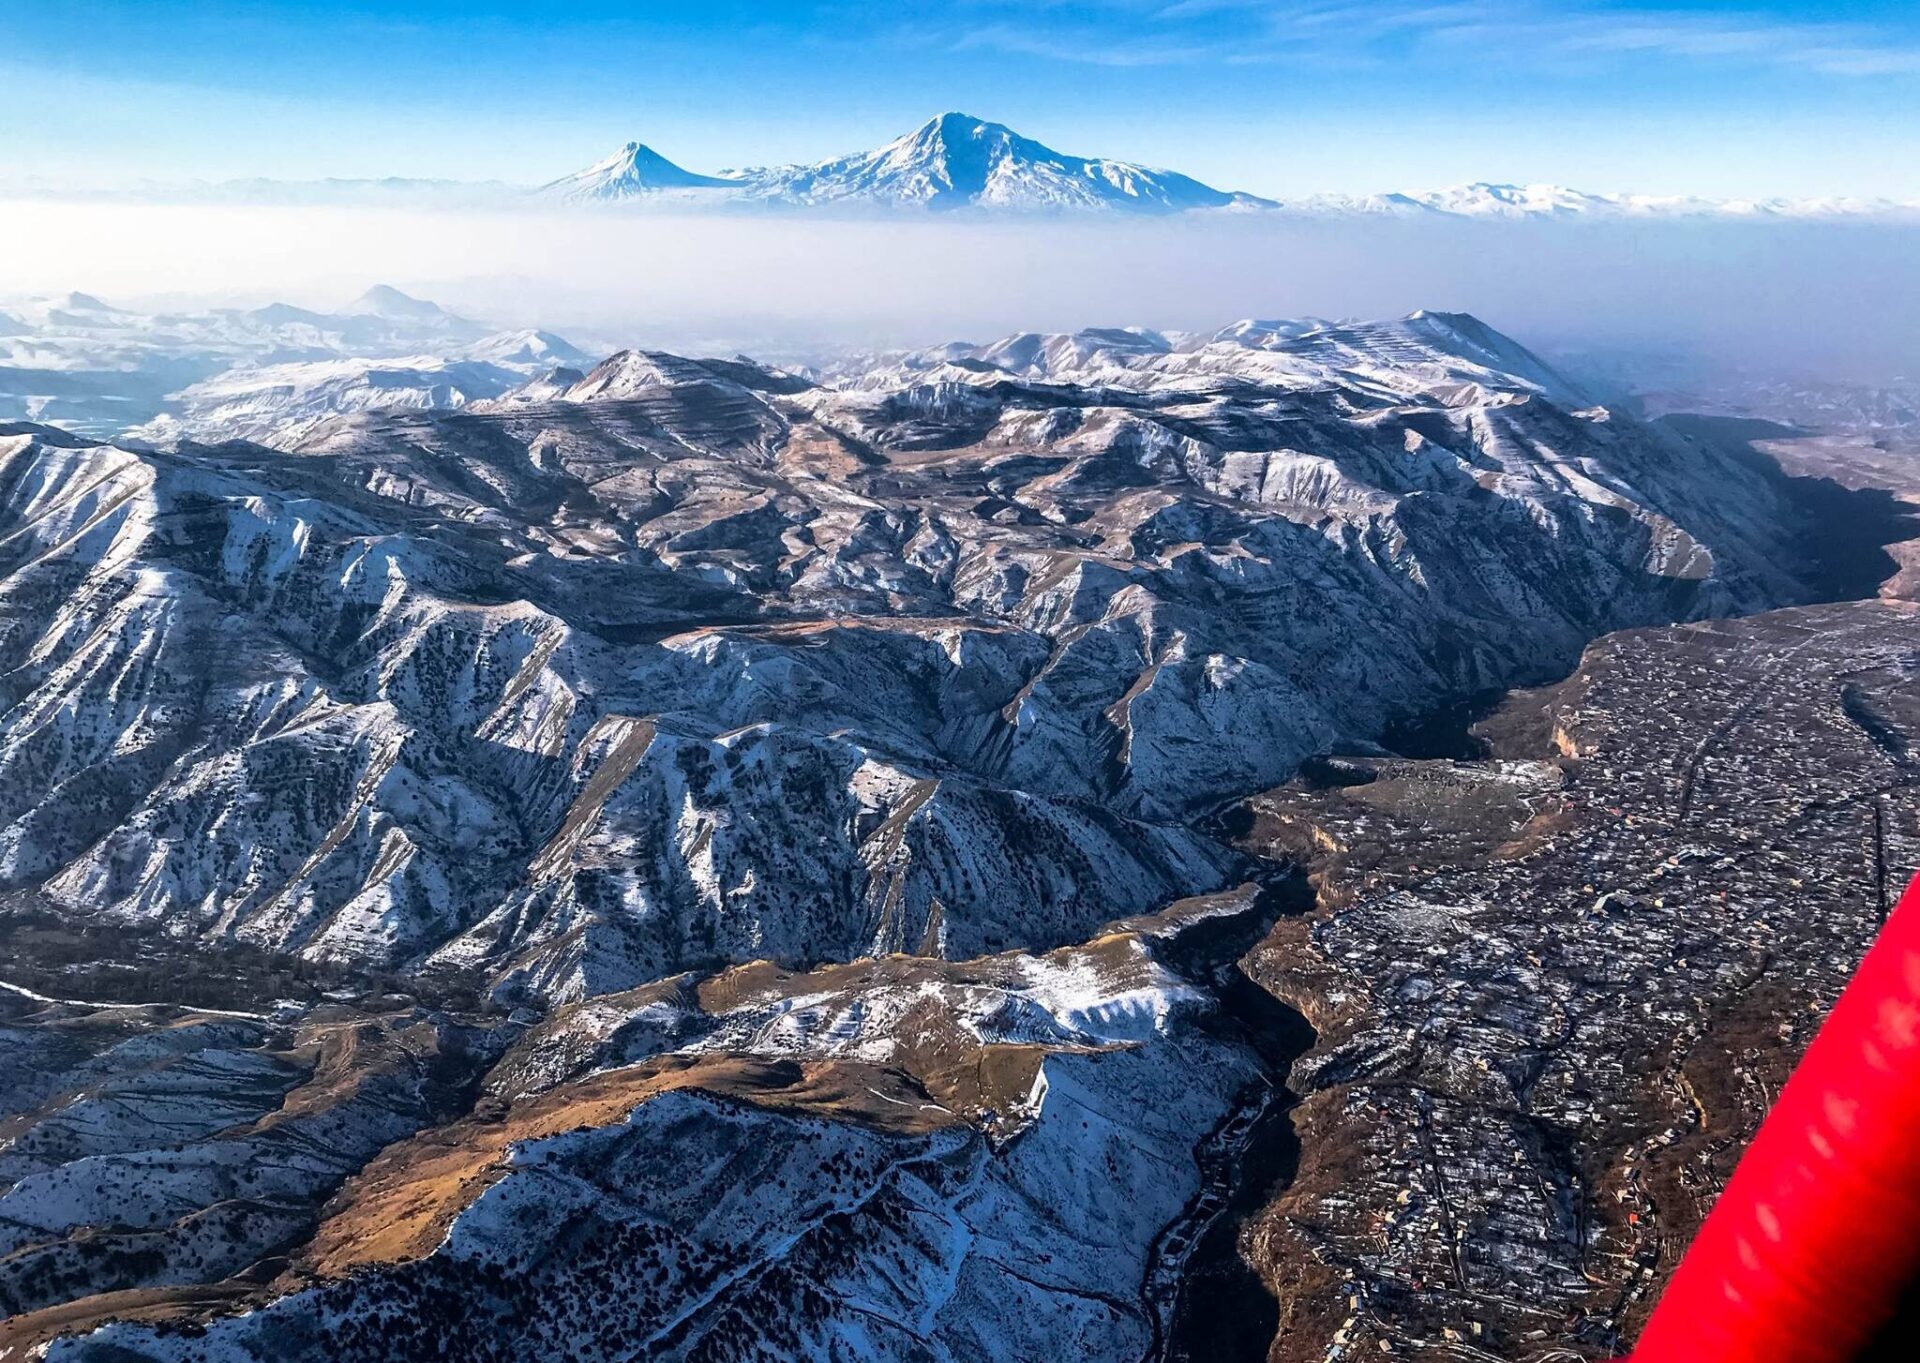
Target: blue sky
x=1278, y=97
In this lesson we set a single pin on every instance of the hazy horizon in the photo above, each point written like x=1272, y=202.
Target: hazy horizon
x=1835, y=300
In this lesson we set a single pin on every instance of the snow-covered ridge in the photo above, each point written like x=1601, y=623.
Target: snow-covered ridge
x=1483, y=200
x=549, y=687
x=887, y=1158
x=1423, y=352
x=279, y=404
x=263, y=373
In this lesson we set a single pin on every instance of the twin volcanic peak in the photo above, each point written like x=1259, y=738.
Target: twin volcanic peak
x=951, y=161
x=955, y=161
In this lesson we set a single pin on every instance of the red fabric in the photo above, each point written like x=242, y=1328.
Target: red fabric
x=1807, y=1250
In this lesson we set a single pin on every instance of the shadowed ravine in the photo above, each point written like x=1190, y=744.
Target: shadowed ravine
x=1219, y=1308
x=1223, y=1309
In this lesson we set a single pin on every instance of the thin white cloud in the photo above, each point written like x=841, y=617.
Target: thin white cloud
x=1834, y=49
x=1190, y=32
x=1084, y=49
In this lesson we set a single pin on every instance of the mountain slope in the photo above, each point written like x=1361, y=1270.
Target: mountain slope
x=550, y=689
x=692, y=861
x=278, y=404
x=385, y=301
x=899, y=1158
x=636, y=171
x=955, y=161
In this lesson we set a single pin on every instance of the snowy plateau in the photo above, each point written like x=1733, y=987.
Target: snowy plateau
x=511, y=855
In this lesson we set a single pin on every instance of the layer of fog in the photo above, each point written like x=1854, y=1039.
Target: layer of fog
x=1836, y=300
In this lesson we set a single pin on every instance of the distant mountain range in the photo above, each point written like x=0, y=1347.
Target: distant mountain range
x=956, y=162
x=261, y=373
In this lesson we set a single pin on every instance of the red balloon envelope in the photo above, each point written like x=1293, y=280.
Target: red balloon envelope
x=1805, y=1255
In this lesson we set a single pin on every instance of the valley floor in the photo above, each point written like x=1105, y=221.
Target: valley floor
x=1557, y=986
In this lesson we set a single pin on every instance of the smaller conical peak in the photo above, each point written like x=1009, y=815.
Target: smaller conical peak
x=383, y=300
x=636, y=168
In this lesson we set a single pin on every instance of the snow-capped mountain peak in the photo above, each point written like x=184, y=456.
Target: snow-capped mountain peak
x=955, y=160
x=952, y=153
x=635, y=171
